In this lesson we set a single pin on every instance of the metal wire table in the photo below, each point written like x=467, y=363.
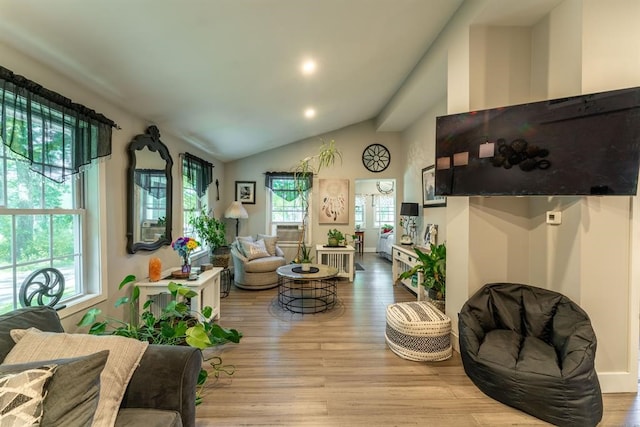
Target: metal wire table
x=304, y=292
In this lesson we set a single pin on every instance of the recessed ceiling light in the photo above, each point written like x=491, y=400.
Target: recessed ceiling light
x=308, y=67
x=309, y=113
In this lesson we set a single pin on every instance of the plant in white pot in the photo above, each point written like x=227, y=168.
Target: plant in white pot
x=305, y=259
x=303, y=172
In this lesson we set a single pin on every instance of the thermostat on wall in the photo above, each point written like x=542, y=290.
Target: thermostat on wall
x=554, y=217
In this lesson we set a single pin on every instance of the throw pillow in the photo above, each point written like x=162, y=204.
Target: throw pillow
x=239, y=243
x=22, y=394
x=124, y=357
x=72, y=393
x=270, y=243
x=255, y=250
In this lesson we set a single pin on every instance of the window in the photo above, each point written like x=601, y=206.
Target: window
x=384, y=210
x=197, y=175
x=46, y=218
x=42, y=224
x=360, y=210
x=287, y=205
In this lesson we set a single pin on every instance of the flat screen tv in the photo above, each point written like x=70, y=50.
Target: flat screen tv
x=581, y=145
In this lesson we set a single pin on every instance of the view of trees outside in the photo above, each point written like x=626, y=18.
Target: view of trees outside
x=286, y=205
x=39, y=223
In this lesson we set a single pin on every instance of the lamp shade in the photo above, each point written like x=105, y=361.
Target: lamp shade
x=236, y=210
x=409, y=209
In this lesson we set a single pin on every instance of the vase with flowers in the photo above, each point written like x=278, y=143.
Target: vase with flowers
x=184, y=246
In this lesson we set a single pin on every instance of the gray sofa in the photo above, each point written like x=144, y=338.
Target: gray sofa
x=162, y=390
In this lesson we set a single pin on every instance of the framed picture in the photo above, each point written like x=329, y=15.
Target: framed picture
x=430, y=236
x=429, y=198
x=246, y=192
x=334, y=201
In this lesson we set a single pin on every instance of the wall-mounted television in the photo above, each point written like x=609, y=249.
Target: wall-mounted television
x=581, y=145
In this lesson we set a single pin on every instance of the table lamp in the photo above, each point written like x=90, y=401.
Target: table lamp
x=408, y=211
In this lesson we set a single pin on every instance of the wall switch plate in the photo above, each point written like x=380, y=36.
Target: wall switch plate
x=554, y=217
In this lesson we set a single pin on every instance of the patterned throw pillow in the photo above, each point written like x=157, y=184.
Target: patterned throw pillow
x=124, y=357
x=270, y=243
x=255, y=250
x=22, y=395
x=242, y=239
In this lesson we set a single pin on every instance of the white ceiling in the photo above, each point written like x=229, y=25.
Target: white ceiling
x=225, y=74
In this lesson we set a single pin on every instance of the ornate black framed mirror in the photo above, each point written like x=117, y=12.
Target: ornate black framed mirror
x=149, y=193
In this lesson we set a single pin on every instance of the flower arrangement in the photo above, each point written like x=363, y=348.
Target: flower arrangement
x=184, y=246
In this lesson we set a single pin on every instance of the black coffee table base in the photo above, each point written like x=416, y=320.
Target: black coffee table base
x=307, y=296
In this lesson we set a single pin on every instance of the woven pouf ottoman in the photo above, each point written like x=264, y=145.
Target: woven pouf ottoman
x=418, y=331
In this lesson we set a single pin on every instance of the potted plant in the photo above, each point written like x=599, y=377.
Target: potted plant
x=212, y=232
x=176, y=325
x=335, y=237
x=433, y=266
x=310, y=165
x=306, y=259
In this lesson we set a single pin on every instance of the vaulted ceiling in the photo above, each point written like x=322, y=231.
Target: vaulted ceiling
x=226, y=75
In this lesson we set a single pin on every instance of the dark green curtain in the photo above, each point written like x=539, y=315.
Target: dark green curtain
x=57, y=136
x=198, y=171
x=288, y=184
x=154, y=181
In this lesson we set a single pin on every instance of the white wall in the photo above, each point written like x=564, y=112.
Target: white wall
x=351, y=141
x=117, y=261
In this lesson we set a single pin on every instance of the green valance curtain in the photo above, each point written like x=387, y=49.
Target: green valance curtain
x=198, y=171
x=154, y=181
x=288, y=184
x=57, y=136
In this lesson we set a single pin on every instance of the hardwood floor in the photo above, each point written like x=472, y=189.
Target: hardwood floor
x=334, y=369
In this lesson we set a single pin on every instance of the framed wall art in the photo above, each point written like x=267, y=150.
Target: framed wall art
x=429, y=198
x=334, y=201
x=246, y=192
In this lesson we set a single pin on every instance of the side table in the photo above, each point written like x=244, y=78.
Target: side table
x=340, y=257
x=206, y=285
x=307, y=292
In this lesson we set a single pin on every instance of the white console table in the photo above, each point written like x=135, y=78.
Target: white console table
x=207, y=286
x=340, y=257
x=403, y=259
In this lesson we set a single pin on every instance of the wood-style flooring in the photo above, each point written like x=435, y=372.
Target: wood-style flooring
x=334, y=369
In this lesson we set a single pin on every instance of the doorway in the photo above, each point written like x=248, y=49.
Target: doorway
x=375, y=206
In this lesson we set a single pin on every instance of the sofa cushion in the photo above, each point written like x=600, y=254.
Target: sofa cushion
x=148, y=418
x=255, y=250
x=22, y=395
x=264, y=265
x=240, y=240
x=42, y=317
x=72, y=393
x=270, y=243
x=124, y=356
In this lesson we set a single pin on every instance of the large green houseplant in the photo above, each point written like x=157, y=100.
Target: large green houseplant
x=303, y=171
x=177, y=324
x=213, y=233
x=433, y=266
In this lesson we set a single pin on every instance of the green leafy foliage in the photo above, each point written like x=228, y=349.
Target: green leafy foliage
x=209, y=229
x=433, y=266
x=177, y=324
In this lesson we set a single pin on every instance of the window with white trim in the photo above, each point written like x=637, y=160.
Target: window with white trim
x=286, y=204
x=360, y=210
x=42, y=224
x=384, y=209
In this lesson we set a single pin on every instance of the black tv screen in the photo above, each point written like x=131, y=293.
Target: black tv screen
x=581, y=145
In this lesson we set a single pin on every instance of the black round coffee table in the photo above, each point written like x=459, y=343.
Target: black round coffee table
x=307, y=292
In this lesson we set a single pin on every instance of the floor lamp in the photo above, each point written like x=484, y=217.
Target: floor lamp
x=236, y=211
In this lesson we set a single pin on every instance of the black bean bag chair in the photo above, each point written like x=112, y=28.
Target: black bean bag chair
x=532, y=349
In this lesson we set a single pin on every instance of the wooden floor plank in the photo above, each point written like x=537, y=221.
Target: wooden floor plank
x=334, y=369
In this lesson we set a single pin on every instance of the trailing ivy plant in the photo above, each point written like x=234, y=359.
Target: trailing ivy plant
x=177, y=324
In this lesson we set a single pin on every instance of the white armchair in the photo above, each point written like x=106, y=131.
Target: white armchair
x=255, y=262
